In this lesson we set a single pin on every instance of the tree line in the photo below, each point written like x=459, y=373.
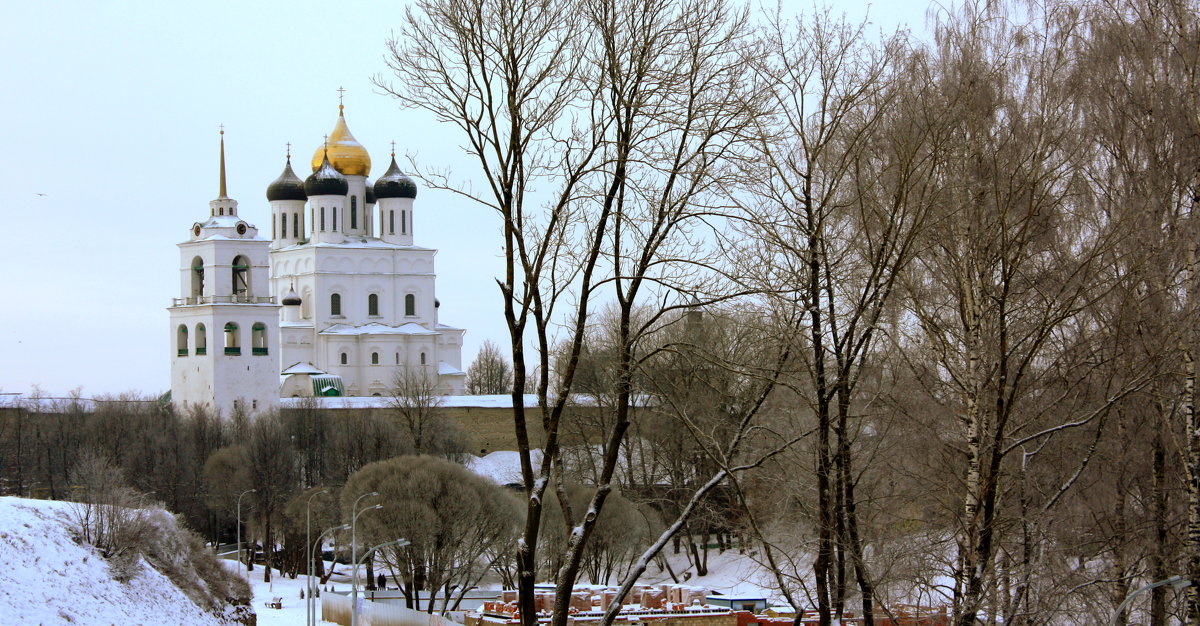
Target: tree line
x=950, y=283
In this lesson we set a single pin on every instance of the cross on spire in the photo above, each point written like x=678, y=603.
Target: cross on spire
x=341, y=99
x=222, y=127
x=289, y=150
x=393, y=149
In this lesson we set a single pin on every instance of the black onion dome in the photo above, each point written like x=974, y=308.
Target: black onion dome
x=326, y=181
x=370, y=193
x=291, y=299
x=394, y=184
x=287, y=187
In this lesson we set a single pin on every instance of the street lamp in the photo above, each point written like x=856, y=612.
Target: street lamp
x=239, y=528
x=1178, y=582
x=308, y=542
x=312, y=559
x=354, y=548
x=400, y=543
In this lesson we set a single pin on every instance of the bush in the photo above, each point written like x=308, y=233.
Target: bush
x=109, y=515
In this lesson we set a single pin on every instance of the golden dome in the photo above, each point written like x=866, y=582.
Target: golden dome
x=345, y=153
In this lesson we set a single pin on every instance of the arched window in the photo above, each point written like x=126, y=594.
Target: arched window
x=201, y=340
x=322, y=219
x=410, y=304
x=374, y=358
x=404, y=222
x=233, y=345
x=391, y=222
x=181, y=342
x=334, y=218
x=296, y=225
x=283, y=224
x=373, y=304
x=241, y=277
x=422, y=358
x=335, y=304
x=344, y=359
x=397, y=358
x=353, y=211
x=197, y=277
x=258, y=339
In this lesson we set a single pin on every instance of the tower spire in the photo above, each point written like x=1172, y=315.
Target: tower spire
x=222, y=195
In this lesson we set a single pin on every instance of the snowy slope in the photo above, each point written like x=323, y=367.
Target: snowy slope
x=47, y=578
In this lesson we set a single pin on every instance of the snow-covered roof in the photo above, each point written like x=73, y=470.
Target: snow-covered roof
x=303, y=367
x=377, y=402
x=375, y=328
x=445, y=369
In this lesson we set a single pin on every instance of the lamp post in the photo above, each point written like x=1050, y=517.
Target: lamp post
x=311, y=559
x=308, y=607
x=1178, y=582
x=239, y=528
x=354, y=551
x=400, y=543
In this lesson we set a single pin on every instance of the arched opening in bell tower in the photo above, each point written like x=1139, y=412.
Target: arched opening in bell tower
x=241, y=277
x=197, y=277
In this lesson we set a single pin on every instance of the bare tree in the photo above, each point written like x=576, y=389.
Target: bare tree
x=628, y=112
x=490, y=372
x=452, y=518
x=416, y=405
x=842, y=187
x=1018, y=254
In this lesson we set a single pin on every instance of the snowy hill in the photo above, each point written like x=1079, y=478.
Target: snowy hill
x=48, y=578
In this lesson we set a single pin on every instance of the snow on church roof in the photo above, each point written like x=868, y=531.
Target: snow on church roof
x=375, y=328
x=445, y=369
x=303, y=367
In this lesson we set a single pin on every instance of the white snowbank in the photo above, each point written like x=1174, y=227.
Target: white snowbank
x=48, y=578
x=502, y=466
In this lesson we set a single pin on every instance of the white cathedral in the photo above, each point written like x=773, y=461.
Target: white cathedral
x=338, y=302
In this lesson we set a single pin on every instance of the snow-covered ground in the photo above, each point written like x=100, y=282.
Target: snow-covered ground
x=48, y=578
x=283, y=587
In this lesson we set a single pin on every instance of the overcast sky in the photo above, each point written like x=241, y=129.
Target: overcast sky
x=111, y=112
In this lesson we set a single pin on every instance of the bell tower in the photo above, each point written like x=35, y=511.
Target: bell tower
x=225, y=324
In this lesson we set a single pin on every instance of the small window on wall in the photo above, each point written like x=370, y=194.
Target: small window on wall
x=283, y=224
x=295, y=225
x=353, y=211
x=391, y=222
x=181, y=340
x=344, y=358
x=335, y=218
x=322, y=219
x=233, y=346
x=404, y=222
x=397, y=358
x=258, y=336
x=410, y=304
x=335, y=304
x=373, y=304
x=422, y=358
x=201, y=340
x=374, y=358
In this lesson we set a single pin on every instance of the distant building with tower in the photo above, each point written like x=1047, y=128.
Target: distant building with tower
x=338, y=302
